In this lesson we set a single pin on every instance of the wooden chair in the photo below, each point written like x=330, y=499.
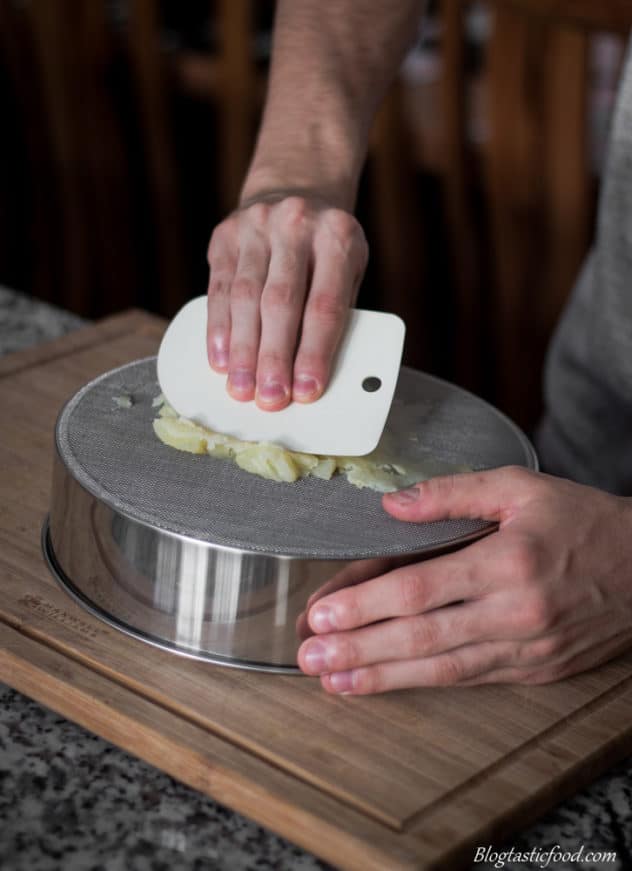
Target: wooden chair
x=228, y=79
x=79, y=184
x=539, y=182
x=511, y=271
x=61, y=57
x=90, y=208
x=514, y=264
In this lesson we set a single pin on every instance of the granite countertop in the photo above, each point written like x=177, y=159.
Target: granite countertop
x=73, y=802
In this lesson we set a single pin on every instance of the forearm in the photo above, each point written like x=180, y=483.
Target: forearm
x=331, y=65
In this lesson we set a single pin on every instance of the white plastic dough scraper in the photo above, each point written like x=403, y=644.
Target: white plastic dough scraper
x=347, y=420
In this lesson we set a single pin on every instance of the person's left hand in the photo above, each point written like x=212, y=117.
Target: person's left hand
x=546, y=596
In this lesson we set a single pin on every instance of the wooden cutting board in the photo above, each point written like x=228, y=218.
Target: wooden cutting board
x=412, y=779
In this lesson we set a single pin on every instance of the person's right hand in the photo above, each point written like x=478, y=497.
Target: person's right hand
x=284, y=270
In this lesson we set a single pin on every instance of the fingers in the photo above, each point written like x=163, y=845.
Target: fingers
x=474, y=664
x=245, y=317
x=339, y=261
x=551, y=659
x=456, y=667
x=406, y=591
x=222, y=261
x=401, y=639
x=354, y=573
x=492, y=495
x=281, y=310
x=551, y=672
x=280, y=269
x=370, y=661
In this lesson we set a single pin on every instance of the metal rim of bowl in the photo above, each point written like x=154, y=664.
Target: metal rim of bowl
x=146, y=634
x=67, y=585
x=531, y=463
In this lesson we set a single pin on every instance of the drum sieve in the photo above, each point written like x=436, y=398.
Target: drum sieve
x=134, y=523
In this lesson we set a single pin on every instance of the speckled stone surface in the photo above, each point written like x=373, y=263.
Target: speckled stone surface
x=25, y=321
x=70, y=801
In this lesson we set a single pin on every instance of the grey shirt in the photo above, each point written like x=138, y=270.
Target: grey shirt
x=586, y=433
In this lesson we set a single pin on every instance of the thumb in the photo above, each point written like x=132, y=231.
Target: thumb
x=477, y=495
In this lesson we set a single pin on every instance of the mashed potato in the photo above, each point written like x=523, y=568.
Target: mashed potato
x=385, y=469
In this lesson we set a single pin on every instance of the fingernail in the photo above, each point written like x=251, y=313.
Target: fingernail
x=316, y=657
x=322, y=619
x=272, y=391
x=241, y=380
x=405, y=497
x=305, y=386
x=341, y=681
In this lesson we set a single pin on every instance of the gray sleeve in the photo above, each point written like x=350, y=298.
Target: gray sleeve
x=586, y=433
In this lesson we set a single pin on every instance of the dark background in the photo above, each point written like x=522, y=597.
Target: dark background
x=127, y=128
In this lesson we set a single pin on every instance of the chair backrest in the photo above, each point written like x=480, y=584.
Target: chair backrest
x=57, y=57
x=89, y=222
x=538, y=182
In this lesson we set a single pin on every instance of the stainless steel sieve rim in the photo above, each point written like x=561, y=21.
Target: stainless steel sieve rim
x=84, y=479
x=116, y=623
x=426, y=550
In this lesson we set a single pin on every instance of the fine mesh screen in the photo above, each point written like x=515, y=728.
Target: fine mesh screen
x=113, y=452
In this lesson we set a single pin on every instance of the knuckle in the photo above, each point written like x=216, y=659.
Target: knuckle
x=422, y=636
x=519, y=476
x=328, y=307
x=517, y=473
x=348, y=609
x=344, y=654
x=357, y=240
x=242, y=353
x=442, y=488
x=294, y=210
x=219, y=283
x=532, y=653
x=213, y=246
x=413, y=592
x=524, y=559
x=547, y=648
x=343, y=226
x=245, y=289
x=221, y=238
x=278, y=294
x=371, y=680
x=241, y=357
x=537, y=616
x=257, y=213
x=469, y=574
x=448, y=670
x=521, y=654
x=272, y=360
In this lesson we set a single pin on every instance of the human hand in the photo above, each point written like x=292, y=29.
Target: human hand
x=546, y=596
x=284, y=271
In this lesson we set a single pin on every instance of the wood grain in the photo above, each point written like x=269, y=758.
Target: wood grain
x=152, y=95
x=199, y=759
x=539, y=193
x=411, y=779
x=460, y=214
